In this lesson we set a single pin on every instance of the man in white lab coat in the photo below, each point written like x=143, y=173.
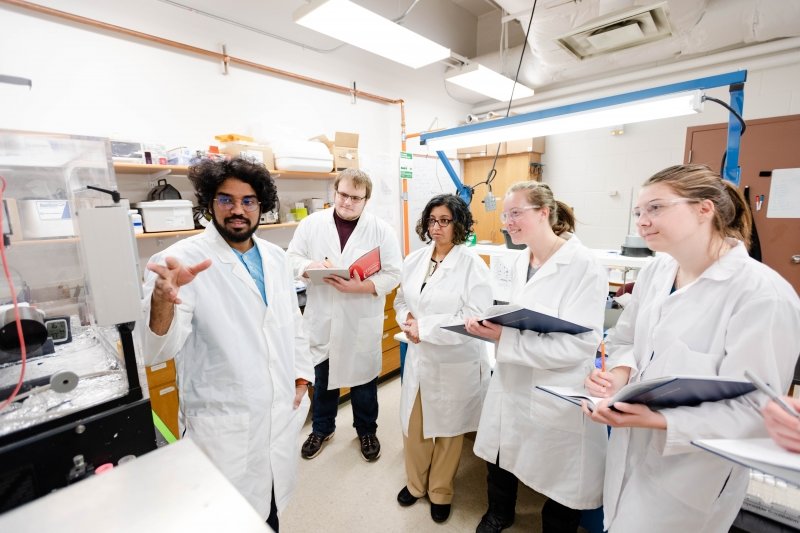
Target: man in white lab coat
x=223, y=304
x=344, y=317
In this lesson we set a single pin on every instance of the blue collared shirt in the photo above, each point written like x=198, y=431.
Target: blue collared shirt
x=251, y=260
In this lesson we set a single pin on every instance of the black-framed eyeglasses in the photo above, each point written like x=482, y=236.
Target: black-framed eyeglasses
x=442, y=222
x=349, y=198
x=226, y=203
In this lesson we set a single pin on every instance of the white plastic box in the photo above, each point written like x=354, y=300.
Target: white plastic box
x=43, y=219
x=166, y=215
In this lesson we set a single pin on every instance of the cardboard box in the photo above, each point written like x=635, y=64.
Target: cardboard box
x=526, y=145
x=252, y=151
x=472, y=151
x=344, y=148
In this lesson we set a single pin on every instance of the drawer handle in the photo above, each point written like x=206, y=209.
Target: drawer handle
x=156, y=368
x=167, y=390
x=385, y=335
x=386, y=317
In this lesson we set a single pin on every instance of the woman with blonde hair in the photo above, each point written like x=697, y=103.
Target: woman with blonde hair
x=529, y=435
x=702, y=307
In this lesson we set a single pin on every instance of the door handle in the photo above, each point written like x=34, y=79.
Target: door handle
x=796, y=259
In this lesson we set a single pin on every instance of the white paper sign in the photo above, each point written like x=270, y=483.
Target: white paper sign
x=784, y=194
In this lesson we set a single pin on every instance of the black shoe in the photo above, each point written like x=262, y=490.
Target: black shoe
x=440, y=512
x=492, y=523
x=405, y=498
x=370, y=446
x=313, y=445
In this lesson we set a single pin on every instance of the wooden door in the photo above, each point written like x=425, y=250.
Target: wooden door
x=767, y=144
x=510, y=169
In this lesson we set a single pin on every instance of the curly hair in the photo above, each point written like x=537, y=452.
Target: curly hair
x=207, y=176
x=462, y=218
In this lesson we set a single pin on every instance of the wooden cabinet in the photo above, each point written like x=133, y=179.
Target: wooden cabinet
x=389, y=345
x=164, y=394
x=510, y=169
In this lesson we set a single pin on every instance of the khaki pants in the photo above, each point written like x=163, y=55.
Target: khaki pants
x=431, y=464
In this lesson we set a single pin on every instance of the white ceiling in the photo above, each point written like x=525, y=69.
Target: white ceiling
x=700, y=27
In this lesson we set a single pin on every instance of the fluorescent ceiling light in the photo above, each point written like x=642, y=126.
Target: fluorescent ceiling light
x=553, y=122
x=480, y=79
x=355, y=25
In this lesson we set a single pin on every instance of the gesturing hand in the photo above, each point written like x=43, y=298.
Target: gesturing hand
x=172, y=276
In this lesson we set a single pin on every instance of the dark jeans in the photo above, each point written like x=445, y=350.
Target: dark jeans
x=325, y=404
x=272, y=520
x=502, y=484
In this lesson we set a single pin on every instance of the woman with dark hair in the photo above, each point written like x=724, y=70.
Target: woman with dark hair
x=703, y=307
x=445, y=374
x=525, y=434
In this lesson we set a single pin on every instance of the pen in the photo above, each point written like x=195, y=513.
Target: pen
x=766, y=389
x=602, y=356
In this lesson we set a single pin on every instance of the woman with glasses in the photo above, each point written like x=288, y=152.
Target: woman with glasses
x=702, y=307
x=527, y=435
x=445, y=374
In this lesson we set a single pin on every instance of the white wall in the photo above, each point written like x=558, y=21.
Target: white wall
x=91, y=82
x=584, y=168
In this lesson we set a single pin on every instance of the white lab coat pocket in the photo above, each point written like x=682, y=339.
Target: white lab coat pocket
x=369, y=330
x=441, y=302
x=554, y=413
x=680, y=360
x=224, y=439
x=459, y=381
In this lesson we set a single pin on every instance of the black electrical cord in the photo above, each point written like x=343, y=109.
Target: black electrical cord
x=735, y=114
x=493, y=172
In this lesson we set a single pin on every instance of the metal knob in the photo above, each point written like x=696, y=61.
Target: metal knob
x=796, y=259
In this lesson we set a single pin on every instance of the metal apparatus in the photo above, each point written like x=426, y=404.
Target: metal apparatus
x=70, y=295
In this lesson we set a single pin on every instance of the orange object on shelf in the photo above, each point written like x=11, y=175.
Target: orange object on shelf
x=233, y=137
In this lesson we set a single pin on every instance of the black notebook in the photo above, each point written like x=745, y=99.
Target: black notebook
x=522, y=318
x=662, y=393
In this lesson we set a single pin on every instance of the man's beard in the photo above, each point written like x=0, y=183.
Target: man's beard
x=235, y=236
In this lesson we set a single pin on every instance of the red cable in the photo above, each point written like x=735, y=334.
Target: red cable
x=23, y=351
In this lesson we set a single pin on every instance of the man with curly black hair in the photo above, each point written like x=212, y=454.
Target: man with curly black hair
x=223, y=305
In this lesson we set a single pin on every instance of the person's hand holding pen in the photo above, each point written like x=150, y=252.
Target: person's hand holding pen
x=411, y=328
x=317, y=264
x=784, y=428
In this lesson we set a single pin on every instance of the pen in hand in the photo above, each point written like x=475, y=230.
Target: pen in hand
x=766, y=389
x=602, y=356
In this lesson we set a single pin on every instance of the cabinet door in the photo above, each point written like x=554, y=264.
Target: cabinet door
x=160, y=374
x=510, y=169
x=164, y=400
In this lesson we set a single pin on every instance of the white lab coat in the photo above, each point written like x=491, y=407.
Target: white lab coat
x=451, y=371
x=738, y=315
x=236, y=362
x=347, y=328
x=543, y=440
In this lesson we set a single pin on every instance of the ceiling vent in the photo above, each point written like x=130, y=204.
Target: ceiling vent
x=618, y=30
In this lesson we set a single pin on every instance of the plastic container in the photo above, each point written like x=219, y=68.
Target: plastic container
x=136, y=221
x=166, y=215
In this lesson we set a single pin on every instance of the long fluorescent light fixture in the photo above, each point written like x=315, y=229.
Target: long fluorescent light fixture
x=480, y=79
x=360, y=27
x=552, y=124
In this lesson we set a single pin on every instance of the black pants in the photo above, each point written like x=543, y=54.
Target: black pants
x=502, y=492
x=272, y=520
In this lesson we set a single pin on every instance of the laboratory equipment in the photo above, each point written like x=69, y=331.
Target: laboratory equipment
x=70, y=396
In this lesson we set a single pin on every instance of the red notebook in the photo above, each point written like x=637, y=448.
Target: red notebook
x=367, y=265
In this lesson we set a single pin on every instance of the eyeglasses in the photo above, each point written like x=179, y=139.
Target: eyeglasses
x=443, y=222
x=656, y=207
x=353, y=199
x=226, y=203
x=514, y=214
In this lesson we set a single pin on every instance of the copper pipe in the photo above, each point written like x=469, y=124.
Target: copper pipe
x=200, y=51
